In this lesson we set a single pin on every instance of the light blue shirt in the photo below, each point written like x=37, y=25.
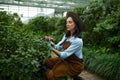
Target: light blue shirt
x=74, y=48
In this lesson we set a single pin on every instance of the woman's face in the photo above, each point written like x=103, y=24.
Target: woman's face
x=70, y=24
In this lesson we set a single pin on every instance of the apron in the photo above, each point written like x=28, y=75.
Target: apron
x=71, y=66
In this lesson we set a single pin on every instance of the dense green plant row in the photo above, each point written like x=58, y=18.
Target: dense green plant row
x=105, y=65
x=22, y=54
x=102, y=21
x=47, y=25
x=22, y=47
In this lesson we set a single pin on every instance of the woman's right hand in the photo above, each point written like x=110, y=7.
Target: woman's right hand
x=48, y=38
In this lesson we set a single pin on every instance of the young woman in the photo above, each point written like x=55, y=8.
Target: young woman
x=69, y=60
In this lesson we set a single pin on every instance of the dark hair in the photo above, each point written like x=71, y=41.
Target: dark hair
x=79, y=24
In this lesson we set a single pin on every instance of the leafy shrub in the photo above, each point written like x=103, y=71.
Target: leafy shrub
x=22, y=54
x=105, y=65
x=102, y=20
x=42, y=25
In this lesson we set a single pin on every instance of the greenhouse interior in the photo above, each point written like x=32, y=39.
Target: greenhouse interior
x=79, y=38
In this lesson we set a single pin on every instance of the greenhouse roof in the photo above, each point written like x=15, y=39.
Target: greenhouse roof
x=41, y=7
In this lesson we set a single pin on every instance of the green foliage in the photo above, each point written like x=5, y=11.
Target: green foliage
x=22, y=54
x=60, y=25
x=42, y=25
x=52, y=24
x=102, y=21
x=105, y=65
x=79, y=10
x=10, y=19
x=110, y=30
x=38, y=24
x=66, y=78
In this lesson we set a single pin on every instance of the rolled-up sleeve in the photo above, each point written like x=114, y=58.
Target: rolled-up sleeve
x=75, y=46
x=58, y=47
